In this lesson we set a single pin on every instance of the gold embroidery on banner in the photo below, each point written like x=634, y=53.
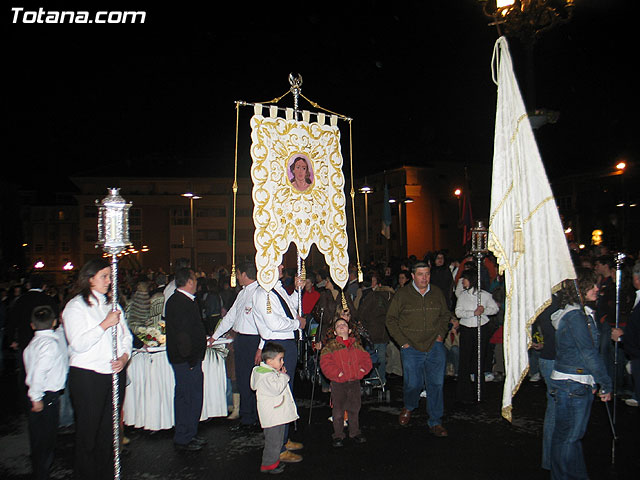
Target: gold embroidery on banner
x=517, y=129
x=282, y=214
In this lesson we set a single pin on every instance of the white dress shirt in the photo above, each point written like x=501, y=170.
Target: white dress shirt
x=240, y=316
x=89, y=345
x=275, y=325
x=467, y=304
x=46, y=364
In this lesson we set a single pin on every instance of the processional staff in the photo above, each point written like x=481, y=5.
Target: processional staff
x=479, y=248
x=113, y=237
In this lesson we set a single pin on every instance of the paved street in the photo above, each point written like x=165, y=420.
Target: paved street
x=481, y=445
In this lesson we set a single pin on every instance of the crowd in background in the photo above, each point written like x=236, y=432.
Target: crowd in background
x=215, y=296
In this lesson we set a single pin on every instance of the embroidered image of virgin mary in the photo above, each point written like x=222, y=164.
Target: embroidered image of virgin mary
x=300, y=173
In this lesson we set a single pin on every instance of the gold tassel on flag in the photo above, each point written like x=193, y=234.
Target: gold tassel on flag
x=518, y=236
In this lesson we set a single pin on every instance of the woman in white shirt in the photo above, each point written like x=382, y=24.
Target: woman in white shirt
x=467, y=310
x=88, y=320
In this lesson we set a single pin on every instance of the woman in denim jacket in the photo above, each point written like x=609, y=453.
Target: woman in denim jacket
x=578, y=370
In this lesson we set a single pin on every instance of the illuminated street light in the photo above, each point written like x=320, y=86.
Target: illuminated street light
x=621, y=166
x=366, y=190
x=457, y=192
x=39, y=264
x=192, y=196
x=68, y=266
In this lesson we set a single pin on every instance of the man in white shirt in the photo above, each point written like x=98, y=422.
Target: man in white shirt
x=276, y=317
x=240, y=318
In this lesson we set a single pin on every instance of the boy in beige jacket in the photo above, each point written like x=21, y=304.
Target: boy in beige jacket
x=276, y=406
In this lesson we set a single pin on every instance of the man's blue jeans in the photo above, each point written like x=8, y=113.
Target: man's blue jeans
x=573, y=407
x=546, y=367
x=424, y=369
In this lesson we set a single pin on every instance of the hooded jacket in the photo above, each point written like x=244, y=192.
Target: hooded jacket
x=275, y=401
x=577, y=341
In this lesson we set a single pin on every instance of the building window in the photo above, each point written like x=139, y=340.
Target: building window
x=180, y=216
x=90, y=211
x=61, y=215
x=135, y=217
x=212, y=235
x=211, y=212
x=91, y=236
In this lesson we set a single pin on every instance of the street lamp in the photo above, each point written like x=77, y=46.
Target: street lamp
x=366, y=190
x=400, y=202
x=192, y=196
x=458, y=194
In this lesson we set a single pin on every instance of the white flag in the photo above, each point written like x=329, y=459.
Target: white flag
x=525, y=231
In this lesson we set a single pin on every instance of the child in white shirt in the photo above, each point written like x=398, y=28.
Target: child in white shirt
x=46, y=365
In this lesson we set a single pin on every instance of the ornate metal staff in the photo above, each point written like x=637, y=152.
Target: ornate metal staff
x=479, y=237
x=619, y=258
x=296, y=88
x=113, y=237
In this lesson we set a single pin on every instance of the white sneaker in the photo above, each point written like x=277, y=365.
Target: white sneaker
x=632, y=402
x=488, y=377
x=535, y=378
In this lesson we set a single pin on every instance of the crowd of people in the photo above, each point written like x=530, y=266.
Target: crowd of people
x=415, y=318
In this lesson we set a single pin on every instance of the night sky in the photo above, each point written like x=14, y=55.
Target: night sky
x=158, y=99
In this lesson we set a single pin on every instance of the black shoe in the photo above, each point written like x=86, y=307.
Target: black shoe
x=199, y=440
x=337, y=443
x=189, y=447
x=359, y=439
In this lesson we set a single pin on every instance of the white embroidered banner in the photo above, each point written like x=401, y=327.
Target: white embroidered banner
x=298, y=195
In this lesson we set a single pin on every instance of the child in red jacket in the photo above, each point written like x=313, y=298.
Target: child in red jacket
x=345, y=363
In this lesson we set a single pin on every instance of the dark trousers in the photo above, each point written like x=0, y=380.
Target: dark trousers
x=91, y=395
x=345, y=397
x=244, y=350
x=466, y=389
x=273, y=438
x=43, y=429
x=290, y=363
x=187, y=401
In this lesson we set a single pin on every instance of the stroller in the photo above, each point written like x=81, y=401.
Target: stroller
x=374, y=383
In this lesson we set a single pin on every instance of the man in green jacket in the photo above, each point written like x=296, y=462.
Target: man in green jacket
x=418, y=320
